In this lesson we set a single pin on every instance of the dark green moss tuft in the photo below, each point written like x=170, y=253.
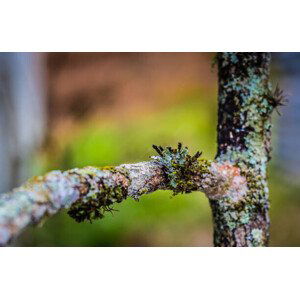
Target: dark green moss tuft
x=94, y=204
x=179, y=167
x=276, y=98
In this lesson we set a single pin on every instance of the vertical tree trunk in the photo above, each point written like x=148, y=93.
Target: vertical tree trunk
x=244, y=127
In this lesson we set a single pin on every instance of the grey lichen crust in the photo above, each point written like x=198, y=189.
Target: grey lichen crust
x=88, y=192
x=246, y=103
x=145, y=177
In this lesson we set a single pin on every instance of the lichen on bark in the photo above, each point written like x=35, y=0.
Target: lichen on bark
x=88, y=192
x=246, y=102
x=91, y=191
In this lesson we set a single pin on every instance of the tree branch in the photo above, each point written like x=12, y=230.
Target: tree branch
x=90, y=191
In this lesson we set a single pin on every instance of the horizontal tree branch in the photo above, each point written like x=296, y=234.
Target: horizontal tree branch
x=90, y=191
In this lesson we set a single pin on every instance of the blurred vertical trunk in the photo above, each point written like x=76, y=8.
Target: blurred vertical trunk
x=22, y=114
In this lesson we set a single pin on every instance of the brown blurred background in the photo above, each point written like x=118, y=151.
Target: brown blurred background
x=120, y=85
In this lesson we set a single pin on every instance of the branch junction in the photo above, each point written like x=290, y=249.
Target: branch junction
x=91, y=191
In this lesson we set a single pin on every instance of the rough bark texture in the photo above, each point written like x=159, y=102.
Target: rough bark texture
x=245, y=106
x=88, y=192
x=91, y=191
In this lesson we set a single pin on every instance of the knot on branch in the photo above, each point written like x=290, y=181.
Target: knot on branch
x=179, y=167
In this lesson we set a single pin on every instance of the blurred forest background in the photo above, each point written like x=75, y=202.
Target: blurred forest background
x=66, y=110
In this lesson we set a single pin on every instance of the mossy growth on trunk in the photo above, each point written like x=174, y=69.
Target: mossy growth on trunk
x=246, y=102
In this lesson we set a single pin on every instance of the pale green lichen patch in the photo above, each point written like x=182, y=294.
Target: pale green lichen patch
x=257, y=235
x=244, y=217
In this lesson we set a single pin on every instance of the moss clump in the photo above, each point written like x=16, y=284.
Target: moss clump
x=180, y=167
x=98, y=192
x=93, y=206
x=276, y=98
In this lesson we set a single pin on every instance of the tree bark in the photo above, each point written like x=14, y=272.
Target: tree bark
x=91, y=191
x=245, y=105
